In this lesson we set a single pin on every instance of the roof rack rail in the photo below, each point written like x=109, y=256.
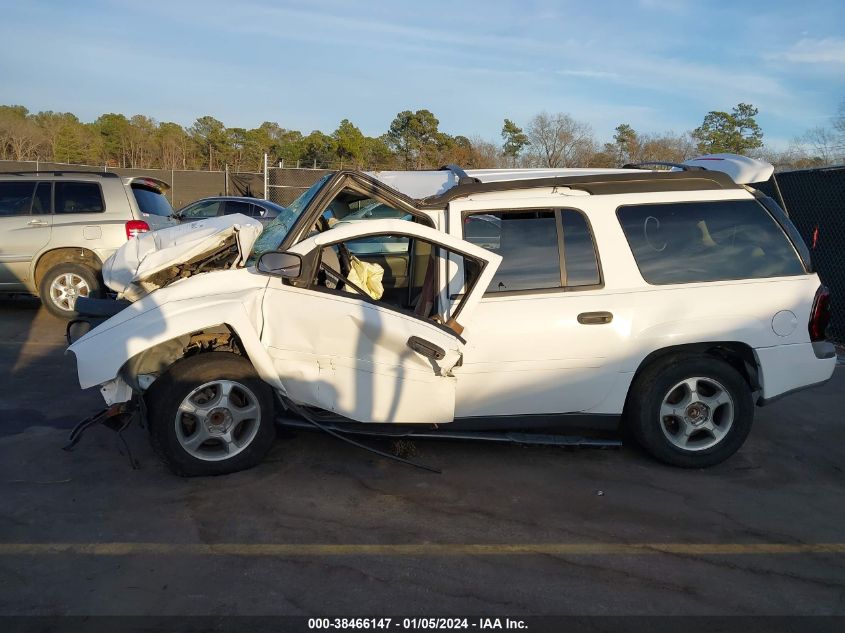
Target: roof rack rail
x=595, y=184
x=660, y=163
x=463, y=177
x=60, y=172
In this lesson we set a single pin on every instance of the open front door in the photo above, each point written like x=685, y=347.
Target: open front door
x=381, y=358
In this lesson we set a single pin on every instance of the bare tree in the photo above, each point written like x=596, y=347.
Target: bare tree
x=667, y=147
x=839, y=120
x=485, y=154
x=826, y=144
x=19, y=136
x=558, y=140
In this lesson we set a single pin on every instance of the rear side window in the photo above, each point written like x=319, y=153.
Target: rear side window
x=236, y=206
x=707, y=241
x=16, y=198
x=579, y=253
x=151, y=201
x=79, y=197
x=527, y=242
x=531, y=244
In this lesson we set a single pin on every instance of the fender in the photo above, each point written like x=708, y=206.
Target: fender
x=732, y=328
x=163, y=315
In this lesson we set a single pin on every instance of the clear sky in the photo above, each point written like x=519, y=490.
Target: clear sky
x=656, y=64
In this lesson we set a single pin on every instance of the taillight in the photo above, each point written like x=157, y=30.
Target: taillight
x=135, y=227
x=820, y=315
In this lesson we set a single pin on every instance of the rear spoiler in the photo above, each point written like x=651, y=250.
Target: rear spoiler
x=742, y=169
x=155, y=183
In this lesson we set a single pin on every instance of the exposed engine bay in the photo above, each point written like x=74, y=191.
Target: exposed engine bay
x=157, y=259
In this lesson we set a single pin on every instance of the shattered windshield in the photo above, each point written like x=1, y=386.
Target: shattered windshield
x=273, y=234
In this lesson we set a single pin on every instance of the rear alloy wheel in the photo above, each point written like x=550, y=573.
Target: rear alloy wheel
x=696, y=414
x=63, y=284
x=690, y=411
x=210, y=414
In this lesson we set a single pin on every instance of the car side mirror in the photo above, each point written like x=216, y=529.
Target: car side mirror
x=287, y=265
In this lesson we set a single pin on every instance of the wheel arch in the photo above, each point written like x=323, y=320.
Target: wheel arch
x=159, y=358
x=105, y=353
x=64, y=255
x=737, y=354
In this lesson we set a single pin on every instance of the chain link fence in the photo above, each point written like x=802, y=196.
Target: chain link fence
x=185, y=185
x=815, y=201
x=284, y=185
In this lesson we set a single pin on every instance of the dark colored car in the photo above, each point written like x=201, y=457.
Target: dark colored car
x=262, y=210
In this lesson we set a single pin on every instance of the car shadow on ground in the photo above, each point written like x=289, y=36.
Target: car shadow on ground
x=38, y=377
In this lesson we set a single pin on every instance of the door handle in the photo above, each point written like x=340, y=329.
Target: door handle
x=38, y=223
x=595, y=318
x=426, y=348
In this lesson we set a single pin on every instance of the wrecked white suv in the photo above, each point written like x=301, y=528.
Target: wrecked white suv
x=491, y=301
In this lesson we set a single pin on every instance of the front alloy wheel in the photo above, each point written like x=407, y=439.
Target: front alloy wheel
x=210, y=414
x=217, y=420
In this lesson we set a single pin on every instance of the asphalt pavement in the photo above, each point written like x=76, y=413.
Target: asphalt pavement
x=321, y=528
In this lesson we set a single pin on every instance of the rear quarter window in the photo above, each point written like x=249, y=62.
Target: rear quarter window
x=78, y=197
x=690, y=242
x=237, y=206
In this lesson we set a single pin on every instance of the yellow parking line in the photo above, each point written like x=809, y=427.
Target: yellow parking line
x=417, y=549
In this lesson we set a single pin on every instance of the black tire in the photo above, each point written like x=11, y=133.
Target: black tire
x=170, y=390
x=654, y=383
x=58, y=308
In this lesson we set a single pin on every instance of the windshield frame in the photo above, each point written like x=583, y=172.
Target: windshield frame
x=315, y=200
x=288, y=218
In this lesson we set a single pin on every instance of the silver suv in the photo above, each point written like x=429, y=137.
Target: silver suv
x=57, y=229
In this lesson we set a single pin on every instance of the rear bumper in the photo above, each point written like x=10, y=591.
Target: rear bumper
x=785, y=369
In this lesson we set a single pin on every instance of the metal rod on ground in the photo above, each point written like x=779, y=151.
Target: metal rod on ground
x=308, y=418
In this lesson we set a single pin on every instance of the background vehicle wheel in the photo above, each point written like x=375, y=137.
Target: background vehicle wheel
x=63, y=283
x=690, y=411
x=210, y=414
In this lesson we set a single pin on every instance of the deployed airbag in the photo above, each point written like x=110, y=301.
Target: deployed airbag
x=368, y=277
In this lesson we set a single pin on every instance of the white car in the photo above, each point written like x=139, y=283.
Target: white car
x=672, y=302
